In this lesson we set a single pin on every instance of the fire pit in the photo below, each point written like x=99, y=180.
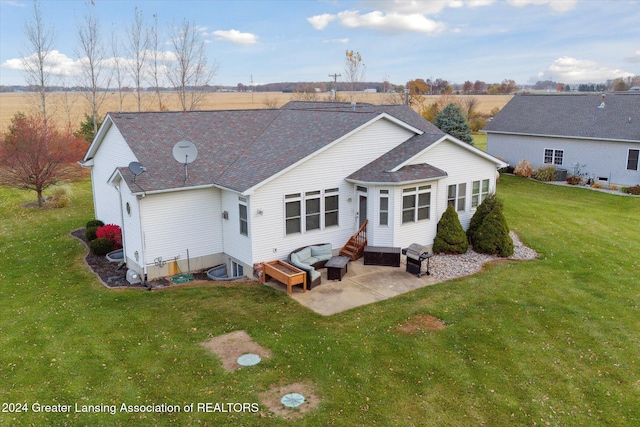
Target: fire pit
x=416, y=254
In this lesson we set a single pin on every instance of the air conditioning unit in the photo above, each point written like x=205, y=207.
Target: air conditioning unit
x=133, y=277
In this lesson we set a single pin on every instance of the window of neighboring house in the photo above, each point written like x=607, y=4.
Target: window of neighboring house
x=416, y=203
x=331, y=207
x=553, y=157
x=479, y=192
x=457, y=196
x=632, y=160
x=384, y=207
x=244, y=222
x=293, y=213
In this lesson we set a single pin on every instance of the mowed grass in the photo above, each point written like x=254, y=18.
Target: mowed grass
x=553, y=341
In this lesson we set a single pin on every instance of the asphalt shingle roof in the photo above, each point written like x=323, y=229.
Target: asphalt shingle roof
x=238, y=149
x=571, y=115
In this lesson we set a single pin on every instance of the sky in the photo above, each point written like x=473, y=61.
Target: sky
x=568, y=41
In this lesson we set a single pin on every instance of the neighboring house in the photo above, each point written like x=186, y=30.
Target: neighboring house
x=266, y=182
x=597, y=136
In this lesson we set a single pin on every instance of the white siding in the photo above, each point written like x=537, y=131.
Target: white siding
x=177, y=221
x=596, y=158
x=113, y=153
x=326, y=170
x=380, y=235
x=236, y=245
x=131, y=230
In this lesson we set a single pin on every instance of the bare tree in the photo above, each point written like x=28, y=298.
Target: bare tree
x=95, y=76
x=156, y=61
x=354, y=70
x=40, y=39
x=118, y=69
x=189, y=74
x=138, y=50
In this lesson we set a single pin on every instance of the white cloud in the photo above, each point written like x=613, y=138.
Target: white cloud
x=393, y=22
x=555, y=5
x=15, y=3
x=634, y=58
x=55, y=63
x=343, y=41
x=571, y=70
x=319, y=22
x=235, y=36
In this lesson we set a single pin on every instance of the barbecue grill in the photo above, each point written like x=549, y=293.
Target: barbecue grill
x=416, y=254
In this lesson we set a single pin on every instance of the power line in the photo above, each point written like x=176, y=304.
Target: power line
x=335, y=84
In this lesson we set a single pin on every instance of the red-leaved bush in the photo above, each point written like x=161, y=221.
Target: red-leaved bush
x=112, y=233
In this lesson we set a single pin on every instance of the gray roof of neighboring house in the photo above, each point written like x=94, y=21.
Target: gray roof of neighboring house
x=571, y=115
x=238, y=149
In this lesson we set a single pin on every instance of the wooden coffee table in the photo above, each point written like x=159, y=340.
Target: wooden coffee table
x=337, y=267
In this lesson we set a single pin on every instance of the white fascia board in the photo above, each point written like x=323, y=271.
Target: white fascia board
x=115, y=177
x=97, y=140
x=172, y=190
x=331, y=144
x=499, y=163
x=394, y=184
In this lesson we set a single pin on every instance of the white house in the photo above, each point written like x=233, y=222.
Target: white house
x=266, y=182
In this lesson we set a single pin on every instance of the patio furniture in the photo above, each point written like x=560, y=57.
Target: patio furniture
x=310, y=259
x=337, y=267
x=416, y=254
x=382, y=255
x=285, y=273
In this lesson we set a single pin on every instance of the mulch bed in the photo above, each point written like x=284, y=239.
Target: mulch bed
x=113, y=277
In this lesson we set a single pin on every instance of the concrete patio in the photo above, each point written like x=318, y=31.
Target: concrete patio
x=363, y=284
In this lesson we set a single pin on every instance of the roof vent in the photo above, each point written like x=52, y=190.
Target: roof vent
x=353, y=106
x=602, y=104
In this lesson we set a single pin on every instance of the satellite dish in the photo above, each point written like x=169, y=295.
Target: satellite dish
x=136, y=168
x=185, y=152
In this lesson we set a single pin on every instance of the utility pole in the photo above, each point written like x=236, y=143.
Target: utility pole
x=335, y=85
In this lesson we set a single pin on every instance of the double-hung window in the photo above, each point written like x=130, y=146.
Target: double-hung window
x=457, y=196
x=553, y=157
x=243, y=215
x=479, y=191
x=331, y=207
x=293, y=213
x=384, y=207
x=632, y=160
x=416, y=203
x=312, y=210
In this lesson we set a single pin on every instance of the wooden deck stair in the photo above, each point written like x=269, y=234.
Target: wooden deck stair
x=354, y=248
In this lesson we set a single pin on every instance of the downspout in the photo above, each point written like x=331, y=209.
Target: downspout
x=124, y=245
x=142, y=244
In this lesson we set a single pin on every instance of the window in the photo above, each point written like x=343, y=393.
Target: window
x=457, y=196
x=244, y=223
x=319, y=209
x=330, y=207
x=312, y=210
x=479, y=192
x=416, y=203
x=236, y=269
x=632, y=160
x=552, y=156
x=384, y=207
x=293, y=213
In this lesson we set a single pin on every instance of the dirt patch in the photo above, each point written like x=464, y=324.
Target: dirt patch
x=229, y=347
x=272, y=399
x=421, y=322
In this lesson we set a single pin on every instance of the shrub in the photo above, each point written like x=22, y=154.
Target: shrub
x=524, y=169
x=487, y=205
x=596, y=185
x=450, y=237
x=493, y=235
x=573, y=180
x=635, y=190
x=112, y=233
x=547, y=173
x=94, y=223
x=101, y=246
x=90, y=233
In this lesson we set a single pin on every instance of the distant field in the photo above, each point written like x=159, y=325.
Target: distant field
x=71, y=107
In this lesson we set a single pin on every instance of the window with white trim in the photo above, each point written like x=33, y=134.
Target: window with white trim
x=236, y=269
x=479, y=192
x=632, y=159
x=457, y=196
x=243, y=215
x=293, y=213
x=314, y=211
x=553, y=157
x=384, y=207
x=416, y=203
x=331, y=210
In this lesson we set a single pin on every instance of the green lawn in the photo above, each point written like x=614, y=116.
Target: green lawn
x=547, y=342
x=480, y=140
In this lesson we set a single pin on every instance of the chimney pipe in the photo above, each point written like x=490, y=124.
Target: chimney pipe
x=406, y=97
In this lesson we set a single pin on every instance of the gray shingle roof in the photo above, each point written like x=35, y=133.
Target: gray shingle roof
x=238, y=149
x=571, y=115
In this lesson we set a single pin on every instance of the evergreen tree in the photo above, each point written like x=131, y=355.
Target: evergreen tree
x=450, y=237
x=452, y=121
x=487, y=205
x=493, y=235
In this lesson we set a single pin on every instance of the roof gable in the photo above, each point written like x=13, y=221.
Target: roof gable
x=571, y=115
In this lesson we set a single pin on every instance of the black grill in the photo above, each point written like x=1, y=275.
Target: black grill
x=416, y=254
